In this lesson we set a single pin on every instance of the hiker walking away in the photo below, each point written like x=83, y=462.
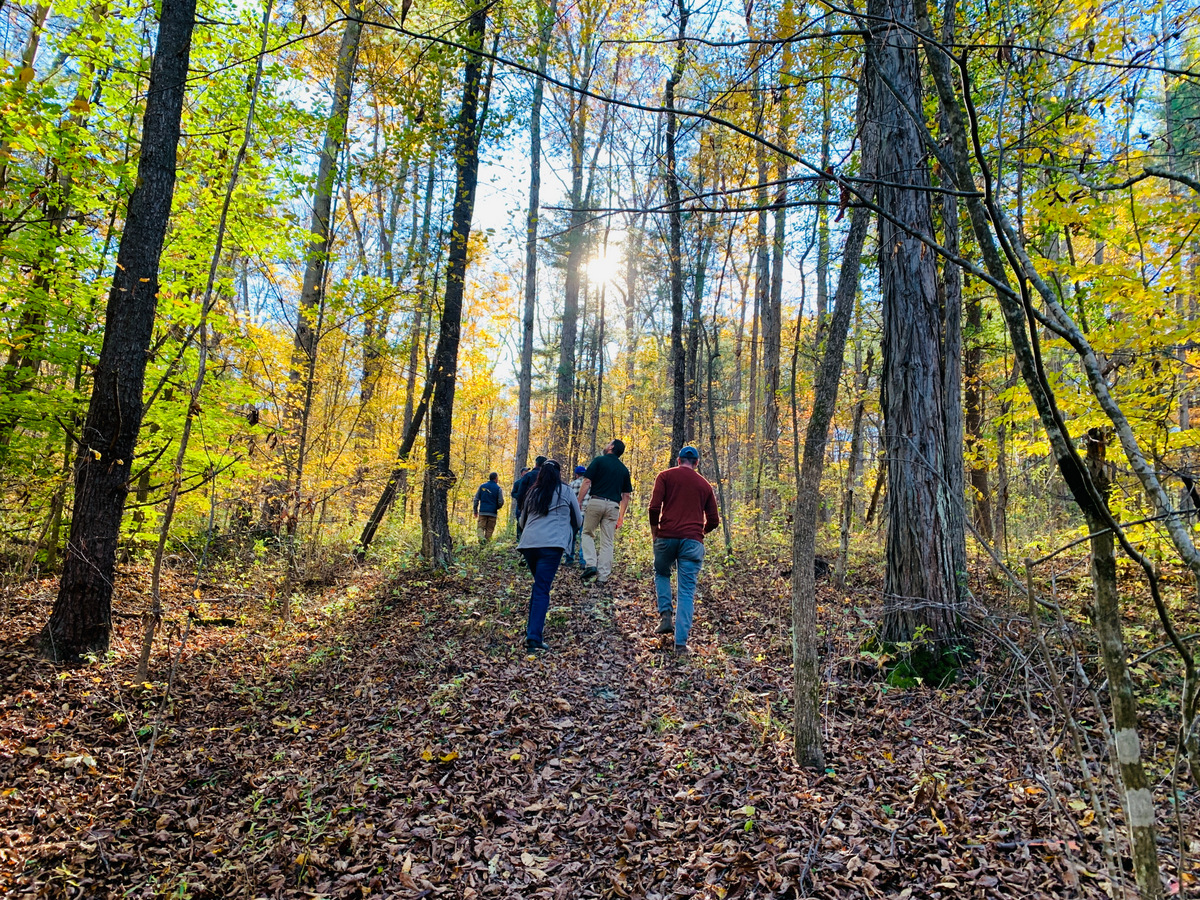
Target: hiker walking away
x=549, y=517
x=608, y=480
x=576, y=484
x=683, y=509
x=488, y=501
x=521, y=488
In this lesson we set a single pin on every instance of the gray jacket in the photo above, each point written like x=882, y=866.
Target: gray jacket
x=553, y=529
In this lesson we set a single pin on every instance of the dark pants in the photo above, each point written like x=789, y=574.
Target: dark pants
x=543, y=563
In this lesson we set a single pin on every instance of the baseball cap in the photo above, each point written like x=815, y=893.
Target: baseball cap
x=689, y=452
x=579, y=470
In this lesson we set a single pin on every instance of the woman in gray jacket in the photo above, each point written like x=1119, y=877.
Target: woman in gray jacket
x=549, y=519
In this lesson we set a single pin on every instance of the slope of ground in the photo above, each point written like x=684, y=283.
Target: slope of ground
x=397, y=743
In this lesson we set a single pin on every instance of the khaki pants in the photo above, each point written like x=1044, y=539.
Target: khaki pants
x=599, y=531
x=485, y=526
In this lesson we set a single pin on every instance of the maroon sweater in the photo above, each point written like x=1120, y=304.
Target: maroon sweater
x=683, y=504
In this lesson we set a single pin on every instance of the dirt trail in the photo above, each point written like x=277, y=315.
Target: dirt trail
x=413, y=750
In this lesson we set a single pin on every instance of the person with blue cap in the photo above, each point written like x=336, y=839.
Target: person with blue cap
x=683, y=509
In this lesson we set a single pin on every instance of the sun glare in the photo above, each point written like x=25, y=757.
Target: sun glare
x=606, y=267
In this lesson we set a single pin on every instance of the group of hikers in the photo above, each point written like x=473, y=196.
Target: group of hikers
x=553, y=516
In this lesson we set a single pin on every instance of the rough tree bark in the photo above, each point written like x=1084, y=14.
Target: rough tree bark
x=436, y=542
x=81, y=620
x=920, y=587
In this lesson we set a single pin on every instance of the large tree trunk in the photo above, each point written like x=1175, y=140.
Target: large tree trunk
x=525, y=377
x=675, y=248
x=81, y=620
x=436, y=542
x=920, y=586
x=807, y=680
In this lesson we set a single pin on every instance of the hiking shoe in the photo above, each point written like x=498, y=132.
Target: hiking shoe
x=588, y=574
x=532, y=646
x=667, y=625
x=682, y=650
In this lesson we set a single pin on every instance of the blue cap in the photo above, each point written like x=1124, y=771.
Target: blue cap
x=689, y=452
x=580, y=470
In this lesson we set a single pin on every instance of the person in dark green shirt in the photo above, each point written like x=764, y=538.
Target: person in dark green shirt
x=611, y=489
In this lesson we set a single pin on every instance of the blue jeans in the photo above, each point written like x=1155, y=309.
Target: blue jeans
x=686, y=555
x=543, y=563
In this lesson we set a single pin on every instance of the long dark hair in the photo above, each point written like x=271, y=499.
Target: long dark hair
x=545, y=489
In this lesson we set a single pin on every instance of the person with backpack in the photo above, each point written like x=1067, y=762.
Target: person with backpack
x=488, y=501
x=550, y=516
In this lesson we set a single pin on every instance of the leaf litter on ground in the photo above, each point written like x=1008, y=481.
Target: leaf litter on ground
x=404, y=745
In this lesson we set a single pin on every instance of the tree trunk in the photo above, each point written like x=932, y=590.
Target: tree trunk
x=81, y=620
x=823, y=209
x=1139, y=800
x=806, y=676
x=773, y=311
x=675, y=248
x=973, y=402
x=317, y=253
x=695, y=326
x=920, y=587
x=436, y=542
x=546, y=16
x=952, y=290
x=420, y=315
x=849, y=499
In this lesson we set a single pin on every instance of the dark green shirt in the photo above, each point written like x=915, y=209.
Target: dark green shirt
x=609, y=478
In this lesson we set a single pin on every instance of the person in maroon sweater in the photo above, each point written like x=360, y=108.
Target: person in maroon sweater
x=683, y=509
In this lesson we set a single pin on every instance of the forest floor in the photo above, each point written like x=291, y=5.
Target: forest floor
x=394, y=741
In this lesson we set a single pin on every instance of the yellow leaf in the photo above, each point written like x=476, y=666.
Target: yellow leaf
x=196, y=593
x=941, y=824
x=427, y=754
x=516, y=757
x=1087, y=818
x=26, y=75
x=449, y=757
